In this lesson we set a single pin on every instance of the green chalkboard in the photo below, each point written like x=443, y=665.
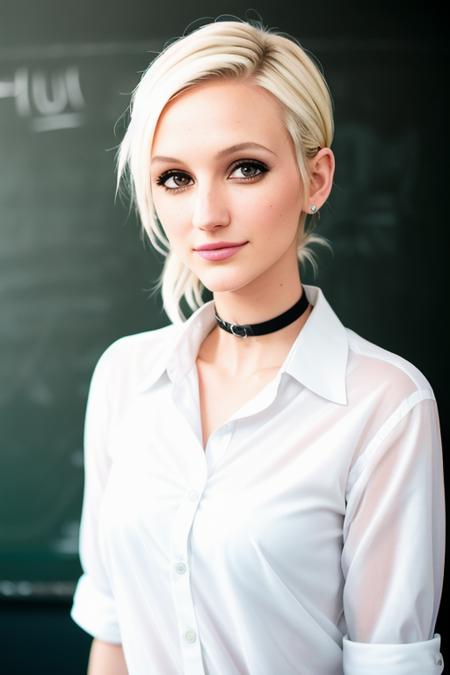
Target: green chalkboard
x=74, y=273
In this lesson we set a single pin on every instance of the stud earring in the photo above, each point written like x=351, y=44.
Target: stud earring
x=313, y=208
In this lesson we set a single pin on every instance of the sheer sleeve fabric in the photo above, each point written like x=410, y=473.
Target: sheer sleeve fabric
x=93, y=606
x=394, y=545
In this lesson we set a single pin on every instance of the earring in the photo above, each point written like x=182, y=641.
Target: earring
x=313, y=208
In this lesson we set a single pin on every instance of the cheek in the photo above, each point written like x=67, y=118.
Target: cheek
x=171, y=218
x=288, y=198
x=276, y=212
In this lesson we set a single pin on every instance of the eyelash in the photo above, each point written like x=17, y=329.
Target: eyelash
x=248, y=162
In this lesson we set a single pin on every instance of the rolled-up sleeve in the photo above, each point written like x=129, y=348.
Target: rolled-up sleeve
x=394, y=546
x=93, y=607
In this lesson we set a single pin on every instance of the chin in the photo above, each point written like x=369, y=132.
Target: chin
x=220, y=282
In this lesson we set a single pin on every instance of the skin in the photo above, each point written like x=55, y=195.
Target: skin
x=216, y=203
x=106, y=659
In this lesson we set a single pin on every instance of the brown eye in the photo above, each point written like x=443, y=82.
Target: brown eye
x=175, y=175
x=244, y=166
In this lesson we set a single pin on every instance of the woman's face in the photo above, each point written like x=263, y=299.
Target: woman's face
x=209, y=192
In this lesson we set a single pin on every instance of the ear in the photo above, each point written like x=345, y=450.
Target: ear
x=321, y=168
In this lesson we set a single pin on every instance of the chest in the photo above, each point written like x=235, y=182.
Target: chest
x=279, y=470
x=220, y=397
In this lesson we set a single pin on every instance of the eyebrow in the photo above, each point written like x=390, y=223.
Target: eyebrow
x=221, y=153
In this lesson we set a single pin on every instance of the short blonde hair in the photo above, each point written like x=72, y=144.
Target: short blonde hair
x=222, y=49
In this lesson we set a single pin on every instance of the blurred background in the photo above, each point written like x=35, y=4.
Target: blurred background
x=75, y=273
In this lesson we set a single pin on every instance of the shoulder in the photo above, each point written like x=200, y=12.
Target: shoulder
x=130, y=357
x=374, y=370
x=391, y=399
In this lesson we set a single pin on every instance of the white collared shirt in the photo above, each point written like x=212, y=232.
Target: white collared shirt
x=306, y=539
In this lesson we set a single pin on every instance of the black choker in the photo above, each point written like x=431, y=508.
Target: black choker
x=246, y=329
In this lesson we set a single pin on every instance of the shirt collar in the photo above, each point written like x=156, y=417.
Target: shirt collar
x=317, y=358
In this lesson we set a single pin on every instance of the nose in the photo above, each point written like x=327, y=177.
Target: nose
x=210, y=208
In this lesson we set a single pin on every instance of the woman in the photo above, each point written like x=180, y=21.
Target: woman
x=263, y=487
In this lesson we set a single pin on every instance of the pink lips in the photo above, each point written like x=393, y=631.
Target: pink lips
x=219, y=253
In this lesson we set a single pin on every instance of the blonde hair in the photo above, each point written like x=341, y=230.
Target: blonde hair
x=222, y=49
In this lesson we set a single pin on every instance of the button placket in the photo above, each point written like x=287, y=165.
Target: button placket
x=181, y=586
x=196, y=474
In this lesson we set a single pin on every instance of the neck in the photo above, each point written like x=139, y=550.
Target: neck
x=236, y=356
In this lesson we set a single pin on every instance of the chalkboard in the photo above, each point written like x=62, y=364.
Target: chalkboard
x=72, y=269
x=75, y=275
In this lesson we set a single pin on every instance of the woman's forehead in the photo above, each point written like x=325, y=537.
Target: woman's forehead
x=223, y=90
x=224, y=114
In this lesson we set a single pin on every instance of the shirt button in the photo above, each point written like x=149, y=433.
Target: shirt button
x=190, y=635
x=180, y=567
x=439, y=661
x=193, y=495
